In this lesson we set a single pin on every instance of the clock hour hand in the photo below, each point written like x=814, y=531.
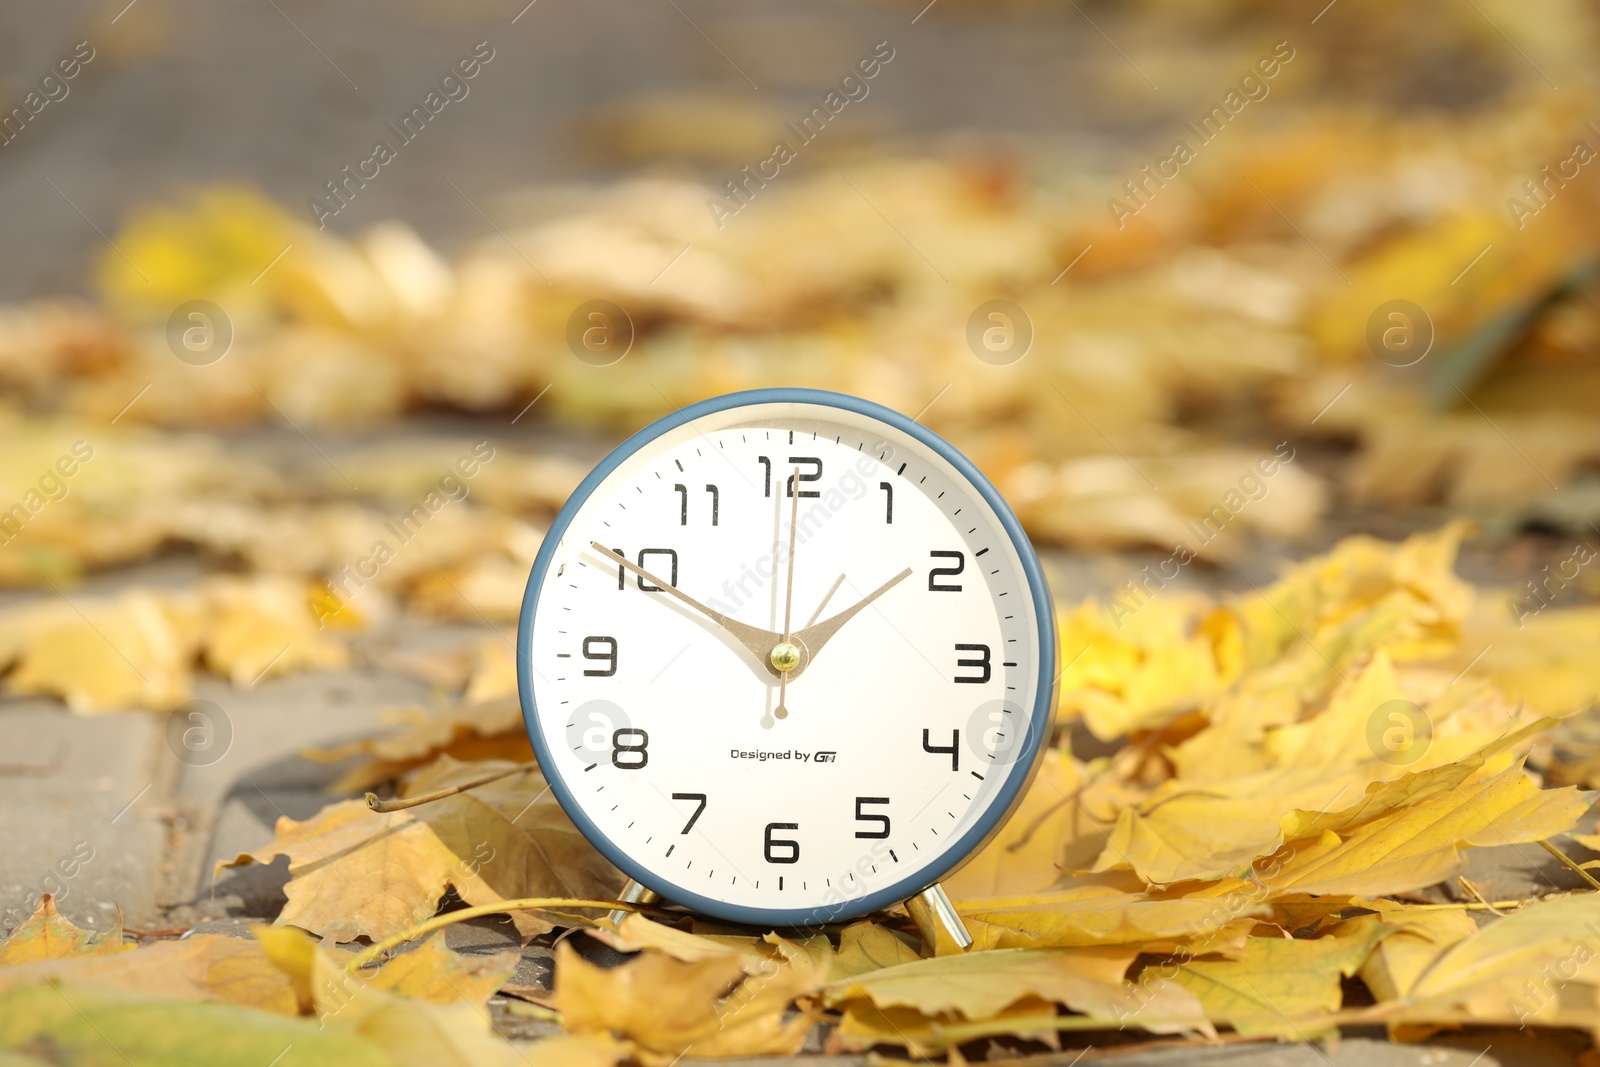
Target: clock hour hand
x=812, y=638
x=759, y=642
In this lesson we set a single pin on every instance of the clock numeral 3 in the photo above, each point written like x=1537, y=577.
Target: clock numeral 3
x=699, y=808
x=870, y=817
x=946, y=572
x=982, y=664
x=954, y=751
x=790, y=849
x=608, y=654
x=636, y=746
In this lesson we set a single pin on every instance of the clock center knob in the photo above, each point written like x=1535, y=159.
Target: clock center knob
x=785, y=656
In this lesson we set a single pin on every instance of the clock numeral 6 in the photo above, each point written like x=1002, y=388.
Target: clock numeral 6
x=870, y=817
x=631, y=743
x=648, y=587
x=791, y=849
x=982, y=663
x=607, y=652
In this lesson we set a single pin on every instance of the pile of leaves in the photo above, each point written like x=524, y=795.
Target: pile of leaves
x=1253, y=856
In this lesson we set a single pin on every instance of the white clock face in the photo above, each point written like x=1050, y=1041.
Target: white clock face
x=900, y=734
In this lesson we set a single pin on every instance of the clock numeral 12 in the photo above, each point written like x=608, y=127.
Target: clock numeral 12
x=815, y=475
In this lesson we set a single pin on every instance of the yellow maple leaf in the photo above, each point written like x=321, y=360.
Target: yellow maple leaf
x=49, y=935
x=357, y=873
x=201, y=967
x=1281, y=984
x=1101, y=916
x=710, y=1006
x=1416, y=845
x=1531, y=966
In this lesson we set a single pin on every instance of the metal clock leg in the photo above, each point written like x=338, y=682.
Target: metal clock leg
x=934, y=915
x=634, y=893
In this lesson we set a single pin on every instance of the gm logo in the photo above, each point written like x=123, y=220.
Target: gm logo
x=826, y=757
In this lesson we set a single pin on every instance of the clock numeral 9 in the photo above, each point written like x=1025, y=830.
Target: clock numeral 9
x=648, y=587
x=791, y=849
x=630, y=749
x=981, y=663
x=815, y=475
x=608, y=654
x=946, y=572
x=954, y=751
x=869, y=817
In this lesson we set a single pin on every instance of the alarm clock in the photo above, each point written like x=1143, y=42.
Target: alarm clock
x=787, y=658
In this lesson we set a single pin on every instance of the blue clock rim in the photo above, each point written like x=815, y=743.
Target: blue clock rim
x=961, y=848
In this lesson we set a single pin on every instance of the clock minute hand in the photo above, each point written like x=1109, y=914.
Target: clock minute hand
x=812, y=638
x=759, y=642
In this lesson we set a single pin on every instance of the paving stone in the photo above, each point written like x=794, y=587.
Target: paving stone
x=235, y=801
x=80, y=803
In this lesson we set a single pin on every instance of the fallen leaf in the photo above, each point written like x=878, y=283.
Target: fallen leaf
x=1281, y=985
x=1415, y=846
x=116, y=1027
x=356, y=873
x=1531, y=966
x=981, y=985
x=430, y=971
x=48, y=935
x=1098, y=915
x=664, y=1004
x=1415, y=939
x=200, y=967
x=866, y=946
x=470, y=732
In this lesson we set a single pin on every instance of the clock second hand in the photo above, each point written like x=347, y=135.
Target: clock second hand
x=832, y=589
x=786, y=657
